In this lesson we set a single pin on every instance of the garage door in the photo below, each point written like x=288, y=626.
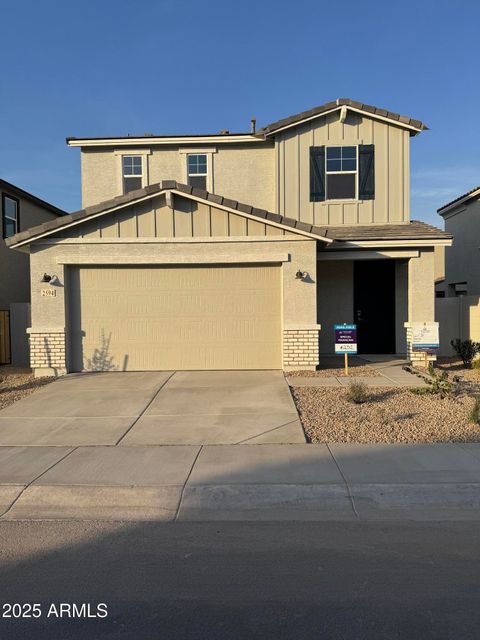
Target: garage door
x=140, y=319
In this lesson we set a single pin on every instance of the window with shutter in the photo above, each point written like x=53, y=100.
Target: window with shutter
x=366, y=165
x=341, y=173
x=317, y=174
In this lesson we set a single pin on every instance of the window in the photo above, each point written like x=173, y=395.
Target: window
x=132, y=169
x=338, y=173
x=10, y=209
x=341, y=173
x=197, y=170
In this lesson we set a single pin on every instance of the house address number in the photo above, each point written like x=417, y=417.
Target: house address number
x=49, y=293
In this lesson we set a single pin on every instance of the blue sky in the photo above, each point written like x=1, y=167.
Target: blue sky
x=113, y=67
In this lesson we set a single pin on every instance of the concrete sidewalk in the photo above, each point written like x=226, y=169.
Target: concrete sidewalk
x=241, y=482
x=390, y=373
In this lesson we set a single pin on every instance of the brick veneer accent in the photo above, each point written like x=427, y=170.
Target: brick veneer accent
x=47, y=350
x=416, y=357
x=300, y=348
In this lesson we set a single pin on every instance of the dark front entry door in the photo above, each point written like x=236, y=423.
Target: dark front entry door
x=374, y=305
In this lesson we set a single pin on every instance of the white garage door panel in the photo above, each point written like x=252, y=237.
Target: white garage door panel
x=137, y=318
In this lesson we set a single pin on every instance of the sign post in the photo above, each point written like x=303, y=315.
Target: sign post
x=345, y=341
x=425, y=339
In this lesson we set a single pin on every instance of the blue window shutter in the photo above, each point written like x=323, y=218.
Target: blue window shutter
x=366, y=167
x=317, y=174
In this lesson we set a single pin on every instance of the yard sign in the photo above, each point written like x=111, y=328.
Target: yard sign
x=425, y=338
x=345, y=341
x=345, y=338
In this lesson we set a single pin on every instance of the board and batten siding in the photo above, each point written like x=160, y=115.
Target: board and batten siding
x=188, y=219
x=392, y=171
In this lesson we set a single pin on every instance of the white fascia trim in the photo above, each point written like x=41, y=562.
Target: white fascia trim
x=438, y=242
x=453, y=209
x=179, y=260
x=177, y=240
x=363, y=113
x=126, y=142
x=366, y=255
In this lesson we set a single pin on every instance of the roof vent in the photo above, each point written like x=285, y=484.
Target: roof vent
x=224, y=132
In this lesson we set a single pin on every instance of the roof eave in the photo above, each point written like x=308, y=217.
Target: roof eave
x=165, y=140
x=414, y=130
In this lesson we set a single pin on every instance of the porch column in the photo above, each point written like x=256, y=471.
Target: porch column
x=421, y=296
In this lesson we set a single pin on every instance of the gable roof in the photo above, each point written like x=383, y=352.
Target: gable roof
x=402, y=121
x=20, y=193
x=150, y=191
x=473, y=193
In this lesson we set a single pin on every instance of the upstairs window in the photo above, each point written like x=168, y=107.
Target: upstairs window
x=197, y=170
x=10, y=215
x=341, y=173
x=132, y=170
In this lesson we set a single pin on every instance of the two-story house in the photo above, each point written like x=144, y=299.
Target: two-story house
x=20, y=210
x=235, y=250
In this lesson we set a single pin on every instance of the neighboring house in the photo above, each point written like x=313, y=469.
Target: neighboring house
x=20, y=211
x=458, y=293
x=462, y=219
x=235, y=251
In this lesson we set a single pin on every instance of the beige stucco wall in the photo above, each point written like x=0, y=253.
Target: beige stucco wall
x=392, y=171
x=462, y=259
x=49, y=314
x=335, y=299
x=421, y=289
x=245, y=173
x=15, y=279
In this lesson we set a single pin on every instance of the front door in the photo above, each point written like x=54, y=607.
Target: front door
x=374, y=305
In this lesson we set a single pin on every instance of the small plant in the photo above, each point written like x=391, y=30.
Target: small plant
x=357, y=392
x=466, y=349
x=476, y=364
x=474, y=413
x=438, y=383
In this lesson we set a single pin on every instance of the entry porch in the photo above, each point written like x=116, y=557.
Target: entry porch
x=382, y=291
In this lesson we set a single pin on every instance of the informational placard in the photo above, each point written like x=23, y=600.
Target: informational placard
x=345, y=338
x=425, y=337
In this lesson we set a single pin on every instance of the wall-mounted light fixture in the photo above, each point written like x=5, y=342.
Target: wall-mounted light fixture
x=301, y=275
x=53, y=280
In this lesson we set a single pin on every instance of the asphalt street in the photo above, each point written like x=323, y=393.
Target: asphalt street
x=219, y=581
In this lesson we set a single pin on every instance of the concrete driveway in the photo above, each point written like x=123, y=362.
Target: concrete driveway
x=156, y=408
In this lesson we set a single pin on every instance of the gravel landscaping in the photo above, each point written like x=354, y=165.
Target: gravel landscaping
x=334, y=367
x=455, y=367
x=389, y=416
x=16, y=383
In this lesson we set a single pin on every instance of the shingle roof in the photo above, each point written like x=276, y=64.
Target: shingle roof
x=369, y=109
x=21, y=193
x=414, y=230
x=83, y=214
x=471, y=193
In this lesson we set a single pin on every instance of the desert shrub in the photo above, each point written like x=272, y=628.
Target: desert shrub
x=474, y=413
x=476, y=364
x=438, y=383
x=357, y=392
x=466, y=349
